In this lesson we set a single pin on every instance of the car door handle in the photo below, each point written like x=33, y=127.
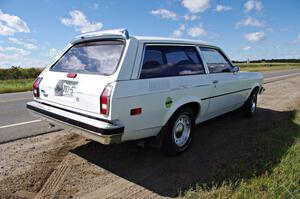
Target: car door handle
x=184, y=86
x=215, y=82
x=181, y=87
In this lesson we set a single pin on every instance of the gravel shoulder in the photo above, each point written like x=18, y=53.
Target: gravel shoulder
x=64, y=165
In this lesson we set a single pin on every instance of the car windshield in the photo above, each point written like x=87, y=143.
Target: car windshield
x=98, y=57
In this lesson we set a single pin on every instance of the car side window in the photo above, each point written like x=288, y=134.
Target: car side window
x=165, y=61
x=153, y=64
x=215, y=60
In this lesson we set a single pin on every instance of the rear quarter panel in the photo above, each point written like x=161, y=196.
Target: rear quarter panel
x=151, y=95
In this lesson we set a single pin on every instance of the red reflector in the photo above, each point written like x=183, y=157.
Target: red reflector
x=136, y=111
x=104, y=111
x=71, y=75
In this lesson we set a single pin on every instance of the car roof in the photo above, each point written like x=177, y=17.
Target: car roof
x=169, y=40
x=123, y=33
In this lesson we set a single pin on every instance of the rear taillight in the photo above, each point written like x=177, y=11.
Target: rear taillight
x=36, y=89
x=105, y=100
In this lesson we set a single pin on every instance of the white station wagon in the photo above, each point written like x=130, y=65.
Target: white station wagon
x=114, y=87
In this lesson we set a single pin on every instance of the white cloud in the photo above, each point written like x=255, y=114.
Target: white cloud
x=178, y=32
x=95, y=6
x=296, y=40
x=284, y=29
x=13, y=40
x=6, y=58
x=10, y=24
x=18, y=59
x=81, y=24
x=255, y=36
x=26, y=45
x=18, y=50
x=15, y=50
x=220, y=8
x=5, y=30
x=164, y=13
x=246, y=48
x=196, y=31
x=253, y=5
x=191, y=17
x=250, y=21
x=53, y=52
x=196, y=6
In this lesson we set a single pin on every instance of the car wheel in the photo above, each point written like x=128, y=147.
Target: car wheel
x=178, y=132
x=249, y=108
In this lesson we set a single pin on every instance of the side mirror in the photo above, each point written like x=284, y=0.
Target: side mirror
x=236, y=69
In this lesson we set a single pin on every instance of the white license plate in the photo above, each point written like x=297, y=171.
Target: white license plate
x=68, y=89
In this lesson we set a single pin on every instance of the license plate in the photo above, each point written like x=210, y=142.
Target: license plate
x=68, y=89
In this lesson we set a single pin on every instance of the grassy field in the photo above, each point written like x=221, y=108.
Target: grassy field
x=272, y=171
x=18, y=85
x=260, y=67
x=17, y=79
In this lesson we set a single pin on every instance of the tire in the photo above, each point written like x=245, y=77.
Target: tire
x=178, y=132
x=249, y=108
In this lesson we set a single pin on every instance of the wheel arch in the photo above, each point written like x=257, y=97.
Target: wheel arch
x=194, y=103
x=256, y=86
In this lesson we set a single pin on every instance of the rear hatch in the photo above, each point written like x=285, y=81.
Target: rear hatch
x=78, y=78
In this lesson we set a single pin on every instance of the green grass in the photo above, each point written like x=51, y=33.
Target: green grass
x=272, y=171
x=259, y=67
x=18, y=85
x=17, y=79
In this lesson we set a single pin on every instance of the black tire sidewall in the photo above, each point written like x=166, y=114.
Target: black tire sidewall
x=248, y=106
x=169, y=146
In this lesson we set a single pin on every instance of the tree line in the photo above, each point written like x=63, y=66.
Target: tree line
x=16, y=72
x=271, y=61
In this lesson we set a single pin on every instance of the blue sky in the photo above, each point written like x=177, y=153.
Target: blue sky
x=33, y=31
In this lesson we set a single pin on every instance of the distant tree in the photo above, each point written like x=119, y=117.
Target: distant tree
x=16, y=72
x=271, y=61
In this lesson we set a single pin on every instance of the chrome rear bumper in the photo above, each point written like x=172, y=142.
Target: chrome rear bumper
x=105, y=132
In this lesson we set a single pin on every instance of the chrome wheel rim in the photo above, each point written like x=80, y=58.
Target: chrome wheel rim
x=182, y=130
x=253, y=104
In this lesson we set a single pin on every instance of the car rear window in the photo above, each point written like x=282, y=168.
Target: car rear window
x=166, y=61
x=97, y=57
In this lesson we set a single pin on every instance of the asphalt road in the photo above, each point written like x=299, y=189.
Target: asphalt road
x=276, y=74
x=16, y=122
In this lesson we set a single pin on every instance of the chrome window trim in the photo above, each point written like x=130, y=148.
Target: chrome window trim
x=222, y=54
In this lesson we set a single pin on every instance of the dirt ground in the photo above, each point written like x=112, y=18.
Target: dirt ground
x=64, y=165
